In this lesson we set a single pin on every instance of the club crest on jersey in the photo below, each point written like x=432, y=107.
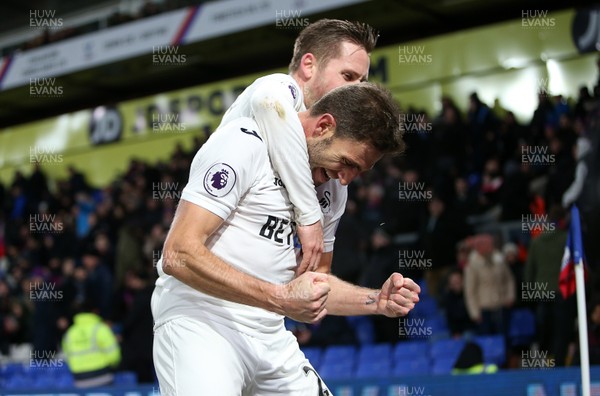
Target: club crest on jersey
x=325, y=202
x=219, y=180
x=293, y=91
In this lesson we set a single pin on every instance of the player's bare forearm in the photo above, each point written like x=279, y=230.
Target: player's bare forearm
x=186, y=258
x=346, y=299
x=398, y=295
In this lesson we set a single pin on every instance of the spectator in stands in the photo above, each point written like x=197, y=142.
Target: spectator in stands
x=489, y=287
x=439, y=233
x=481, y=121
x=491, y=185
x=470, y=361
x=515, y=195
x=453, y=304
x=91, y=349
x=511, y=254
x=465, y=201
x=402, y=213
x=543, y=115
x=594, y=332
x=449, y=142
x=137, y=328
x=561, y=172
x=582, y=152
x=351, y=243
x=99, y=283
x=555, y=316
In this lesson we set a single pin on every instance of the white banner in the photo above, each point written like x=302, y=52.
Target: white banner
x=155, y=34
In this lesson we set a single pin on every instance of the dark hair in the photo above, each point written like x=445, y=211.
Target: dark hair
x=364, y=112
x=323, y=39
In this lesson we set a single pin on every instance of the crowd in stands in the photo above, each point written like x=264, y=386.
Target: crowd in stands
x=100, y=246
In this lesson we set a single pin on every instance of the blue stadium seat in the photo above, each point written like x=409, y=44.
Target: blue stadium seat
x=126, y=378
x=446, y=349
x=338, y=354
x=373, y=369
x=416, y=365
x=424, y=289
x=443, y=365
x=11, y=369
x=493, y=347
x=411, y=350
x=43, y=381
x=375, y=352
x=438, y=324
x=336, y=371
x=427, y=307
x=363, y=328
x=313, y=354
x=17, y=381
x=64, y=381
x=521, y=327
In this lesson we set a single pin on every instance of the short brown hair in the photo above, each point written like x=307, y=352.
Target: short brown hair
x=364, y=112
x=323, y=39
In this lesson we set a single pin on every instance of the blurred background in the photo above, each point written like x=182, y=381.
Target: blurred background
x=103, y=105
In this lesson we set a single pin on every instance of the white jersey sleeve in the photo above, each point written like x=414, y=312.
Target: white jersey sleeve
x=274, y=101
x=332, y=199
x=219, y=178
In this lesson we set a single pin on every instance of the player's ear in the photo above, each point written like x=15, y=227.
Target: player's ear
x=325, y=125
x=308, y=64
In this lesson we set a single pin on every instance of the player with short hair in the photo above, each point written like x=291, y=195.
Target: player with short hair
x=327, y=54
x=227, y=274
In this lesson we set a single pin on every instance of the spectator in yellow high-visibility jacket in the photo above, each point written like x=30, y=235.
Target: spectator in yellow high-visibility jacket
x=91, y=350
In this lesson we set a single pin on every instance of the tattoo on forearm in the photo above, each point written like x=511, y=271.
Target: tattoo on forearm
x=372, y=298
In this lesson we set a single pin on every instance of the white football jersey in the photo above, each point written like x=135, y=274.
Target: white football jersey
x=231, y=176
x=332, y=198
x=279, y=83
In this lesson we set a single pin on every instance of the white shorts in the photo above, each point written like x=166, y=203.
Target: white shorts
x=199, y=358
